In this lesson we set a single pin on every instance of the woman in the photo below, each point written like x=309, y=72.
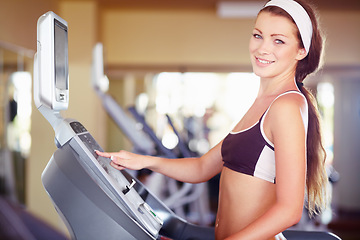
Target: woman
x=275, y=151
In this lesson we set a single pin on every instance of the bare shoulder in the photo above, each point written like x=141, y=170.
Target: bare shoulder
x=288, y=111
x=289, y=103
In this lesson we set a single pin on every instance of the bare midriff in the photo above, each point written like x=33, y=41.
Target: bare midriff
x=243, y=198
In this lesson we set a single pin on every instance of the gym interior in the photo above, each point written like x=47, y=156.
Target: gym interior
x=184, y=66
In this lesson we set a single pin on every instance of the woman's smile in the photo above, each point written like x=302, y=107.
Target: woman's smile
x=263, y=61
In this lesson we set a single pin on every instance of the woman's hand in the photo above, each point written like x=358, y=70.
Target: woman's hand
x=191, y=170
x=123, y=159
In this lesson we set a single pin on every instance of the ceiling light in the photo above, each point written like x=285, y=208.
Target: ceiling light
x=239, y=9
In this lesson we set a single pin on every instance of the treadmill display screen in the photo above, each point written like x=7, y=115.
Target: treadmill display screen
x=61, y=56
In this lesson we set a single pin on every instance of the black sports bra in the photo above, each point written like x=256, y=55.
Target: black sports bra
x=250, y=152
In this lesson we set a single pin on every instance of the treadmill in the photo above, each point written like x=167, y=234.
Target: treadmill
x=94, y=200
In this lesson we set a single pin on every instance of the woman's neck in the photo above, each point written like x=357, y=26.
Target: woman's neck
x=275, y=86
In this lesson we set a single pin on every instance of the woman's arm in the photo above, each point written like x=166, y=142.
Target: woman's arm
x=192, y=170
x=285, y=128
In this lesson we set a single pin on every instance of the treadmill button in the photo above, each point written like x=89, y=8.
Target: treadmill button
x=127, y=189
x=77, y=127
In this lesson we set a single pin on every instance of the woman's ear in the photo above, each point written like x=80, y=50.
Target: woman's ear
x=301, y=54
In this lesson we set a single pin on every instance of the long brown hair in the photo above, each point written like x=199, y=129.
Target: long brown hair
x=316, y=177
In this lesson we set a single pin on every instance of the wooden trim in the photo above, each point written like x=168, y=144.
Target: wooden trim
x=116, y=70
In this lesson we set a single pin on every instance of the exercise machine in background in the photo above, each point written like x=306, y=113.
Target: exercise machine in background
x=140, y=141
x=175, y=195
x=195, y=196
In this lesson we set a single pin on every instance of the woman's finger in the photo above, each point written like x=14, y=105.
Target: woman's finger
x=103, y=154
x=116, y=166
x=106, y=154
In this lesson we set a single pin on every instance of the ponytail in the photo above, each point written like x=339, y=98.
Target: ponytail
x=316, y=177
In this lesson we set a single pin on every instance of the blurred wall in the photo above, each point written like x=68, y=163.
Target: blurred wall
x=18, y=19
x=346, y=142
x=174, y=37
x=186, y=37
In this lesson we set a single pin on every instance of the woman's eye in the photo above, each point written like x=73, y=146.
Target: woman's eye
x=255, y=35
x=278, y=41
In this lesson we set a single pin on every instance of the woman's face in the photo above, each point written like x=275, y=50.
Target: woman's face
x=274, y=46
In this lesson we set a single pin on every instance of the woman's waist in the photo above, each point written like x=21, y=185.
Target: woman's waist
x=245, y=194
x=244, y=186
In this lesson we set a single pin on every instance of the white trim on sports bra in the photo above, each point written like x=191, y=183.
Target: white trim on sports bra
x=244, y=130
x=305, y=118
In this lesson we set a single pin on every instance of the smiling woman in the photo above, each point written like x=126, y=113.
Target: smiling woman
x=268, y=159
x=274, y=49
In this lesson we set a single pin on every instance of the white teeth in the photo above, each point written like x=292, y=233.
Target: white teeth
x=264, y=61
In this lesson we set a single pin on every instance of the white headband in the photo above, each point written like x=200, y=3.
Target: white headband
x=300, y=16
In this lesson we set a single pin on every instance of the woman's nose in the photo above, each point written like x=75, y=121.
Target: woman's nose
x=264, y=47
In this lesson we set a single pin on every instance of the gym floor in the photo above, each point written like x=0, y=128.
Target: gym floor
x=346, y=226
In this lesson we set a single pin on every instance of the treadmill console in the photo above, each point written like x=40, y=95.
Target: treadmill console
x=114, y=181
